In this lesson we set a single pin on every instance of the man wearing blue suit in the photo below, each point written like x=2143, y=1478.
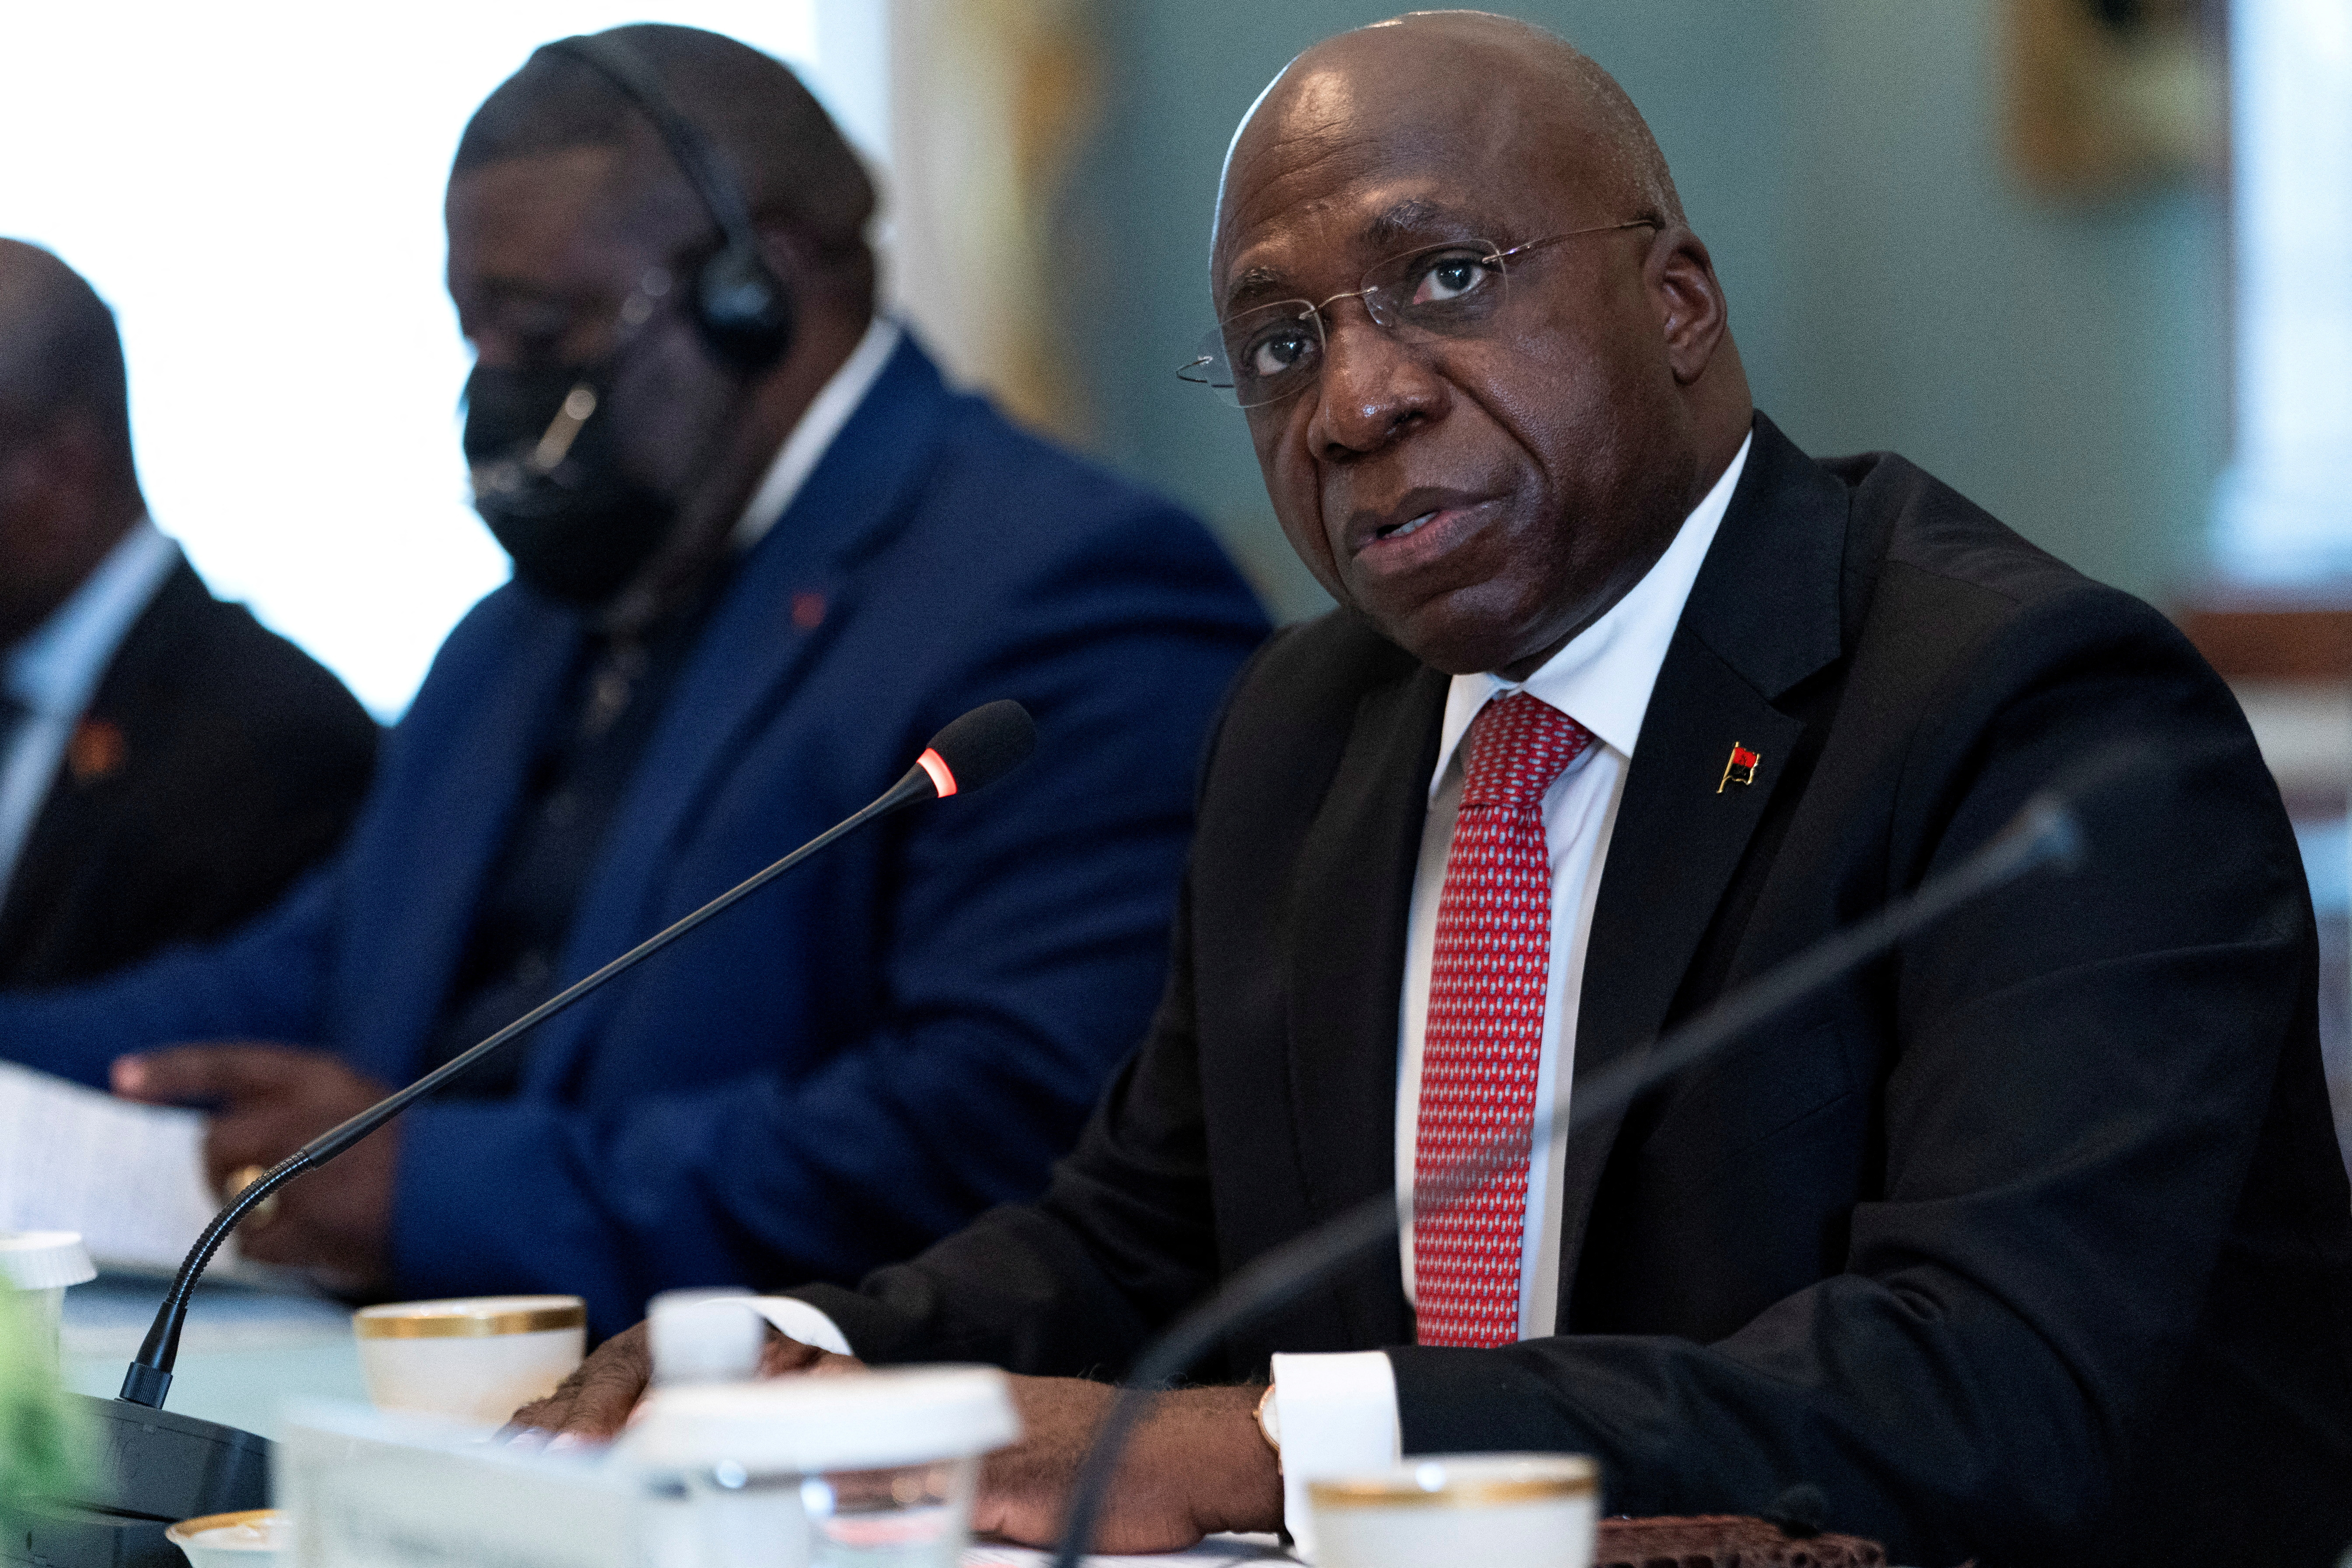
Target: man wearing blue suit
x=760, y=555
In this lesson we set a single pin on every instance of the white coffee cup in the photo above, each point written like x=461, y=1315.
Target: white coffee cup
x=475, y=1359
x=1499, y=1511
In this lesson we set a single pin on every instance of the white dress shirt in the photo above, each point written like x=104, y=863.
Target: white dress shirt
x=54, y=669
x=1336, y=1414
x=828, y=412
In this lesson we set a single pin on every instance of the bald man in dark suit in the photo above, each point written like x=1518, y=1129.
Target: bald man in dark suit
x=167, y=767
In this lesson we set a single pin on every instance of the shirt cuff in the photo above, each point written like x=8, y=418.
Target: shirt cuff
x=796, y=1319
x=1334, y=1414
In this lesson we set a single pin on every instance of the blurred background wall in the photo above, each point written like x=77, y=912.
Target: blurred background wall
x=255, y=187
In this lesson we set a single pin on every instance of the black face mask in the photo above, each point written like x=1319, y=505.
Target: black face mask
x=547, y=481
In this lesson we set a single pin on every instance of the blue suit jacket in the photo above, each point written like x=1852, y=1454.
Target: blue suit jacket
x=901, y=1033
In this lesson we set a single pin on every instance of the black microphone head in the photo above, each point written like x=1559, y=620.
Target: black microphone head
x=983, y=746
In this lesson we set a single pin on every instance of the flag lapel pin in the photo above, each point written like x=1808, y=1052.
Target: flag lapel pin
x=1740, y=768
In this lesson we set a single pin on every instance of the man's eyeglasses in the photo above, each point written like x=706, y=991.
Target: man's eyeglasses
x=1268, y=352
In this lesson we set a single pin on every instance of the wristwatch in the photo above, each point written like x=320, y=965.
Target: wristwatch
x=1270, y=1423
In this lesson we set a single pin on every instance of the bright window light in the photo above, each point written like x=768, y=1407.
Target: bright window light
x=2284, y=515
x=256, y=190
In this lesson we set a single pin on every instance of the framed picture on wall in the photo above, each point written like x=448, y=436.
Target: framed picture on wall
x=2100, y=96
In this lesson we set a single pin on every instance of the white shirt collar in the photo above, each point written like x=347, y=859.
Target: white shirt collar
x=828, y=412
x=56, y=666
x=1604, y=676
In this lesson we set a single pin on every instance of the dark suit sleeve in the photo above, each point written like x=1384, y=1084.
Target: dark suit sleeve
x=1074, y=1284
x=264, y=982
x=1025, y=936
x=2081, y=1068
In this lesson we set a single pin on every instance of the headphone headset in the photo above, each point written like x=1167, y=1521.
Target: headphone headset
x=742, y=308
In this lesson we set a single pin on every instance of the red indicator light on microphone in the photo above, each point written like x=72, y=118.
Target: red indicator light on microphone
x=943, y=777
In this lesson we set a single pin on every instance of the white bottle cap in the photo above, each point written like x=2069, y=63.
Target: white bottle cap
x=44, y=1259
x=704, y=1336
x=806, y=1425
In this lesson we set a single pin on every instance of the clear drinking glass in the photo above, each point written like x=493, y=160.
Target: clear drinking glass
x=910, y=1516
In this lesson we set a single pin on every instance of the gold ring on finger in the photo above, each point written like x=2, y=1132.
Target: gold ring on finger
x=243, y=1177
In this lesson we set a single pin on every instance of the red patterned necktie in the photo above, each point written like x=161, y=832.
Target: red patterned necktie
x=1489, y=973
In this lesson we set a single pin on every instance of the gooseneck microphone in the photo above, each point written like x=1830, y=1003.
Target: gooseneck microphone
x=2044, y=832
x=161, y=1466
x=974, y=751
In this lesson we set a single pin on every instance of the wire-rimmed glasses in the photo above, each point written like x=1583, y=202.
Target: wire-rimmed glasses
x=1269, y=353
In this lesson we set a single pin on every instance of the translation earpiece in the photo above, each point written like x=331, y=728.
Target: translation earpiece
x=742, y=309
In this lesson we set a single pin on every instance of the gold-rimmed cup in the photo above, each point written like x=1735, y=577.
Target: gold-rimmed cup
x=1502, y=1510
x=257, y=1538
x=474, y=1358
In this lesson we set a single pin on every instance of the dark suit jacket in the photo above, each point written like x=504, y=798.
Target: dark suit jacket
x=221, y=763
x=2029, y=1243
x=905, y=1030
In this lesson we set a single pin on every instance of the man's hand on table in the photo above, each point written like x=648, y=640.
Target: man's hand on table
x=269, y=1100
x=595, y=1403
x=1195, y=1465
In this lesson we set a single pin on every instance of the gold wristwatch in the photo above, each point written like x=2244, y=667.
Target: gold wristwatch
x=1270, y=1425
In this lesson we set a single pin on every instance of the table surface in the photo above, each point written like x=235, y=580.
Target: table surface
x=246, y=1348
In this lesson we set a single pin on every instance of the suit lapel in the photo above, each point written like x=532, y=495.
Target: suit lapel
x=1352, y=896
x=65, y=828
x=78, y=818
x=1762, y=615
x=744, y=659
x=463, y=779
x=1351, y=899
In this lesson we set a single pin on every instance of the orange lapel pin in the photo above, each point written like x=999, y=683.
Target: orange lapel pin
x=97, y=750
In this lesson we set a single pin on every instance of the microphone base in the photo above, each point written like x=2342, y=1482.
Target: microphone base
x=60, y=1535
x=158, y=1468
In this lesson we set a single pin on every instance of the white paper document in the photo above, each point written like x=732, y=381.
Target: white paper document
x=129, y=1178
